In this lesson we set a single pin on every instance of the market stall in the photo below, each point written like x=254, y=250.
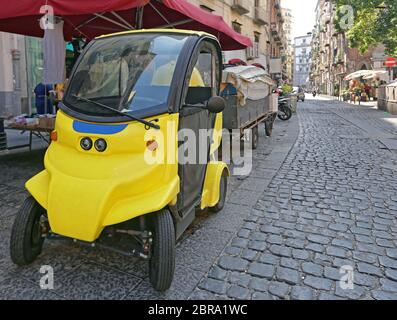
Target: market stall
x=363, y=85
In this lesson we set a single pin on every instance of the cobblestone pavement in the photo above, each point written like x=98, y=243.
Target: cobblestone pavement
x=313, y=203
x=82, y=273
x=332, y=204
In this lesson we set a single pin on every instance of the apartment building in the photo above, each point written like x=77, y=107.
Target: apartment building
x=262, y=21
x=302, y=63
x=288, y=57
x=332, y=58
x=278, y=42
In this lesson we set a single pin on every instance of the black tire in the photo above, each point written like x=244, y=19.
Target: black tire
x=26, y=238
x=269, y=128
x=222, y=194
x=255, y=137
x=285, y=114
x=162, y=261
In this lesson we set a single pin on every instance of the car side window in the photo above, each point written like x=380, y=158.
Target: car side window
x=201, y=80
x=202, y=73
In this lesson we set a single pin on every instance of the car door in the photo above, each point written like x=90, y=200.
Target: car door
x=202, y=83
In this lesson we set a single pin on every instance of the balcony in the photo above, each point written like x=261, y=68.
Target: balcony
x=261, y=16
x=274, y=28
x=241, y=6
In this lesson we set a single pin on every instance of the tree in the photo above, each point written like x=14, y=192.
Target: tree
x=374, y=22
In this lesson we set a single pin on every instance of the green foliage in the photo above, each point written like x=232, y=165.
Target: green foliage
x=287, y=89
x=375, y=21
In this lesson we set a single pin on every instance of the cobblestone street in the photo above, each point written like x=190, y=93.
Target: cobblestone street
x=333, y=203
x=322, y=195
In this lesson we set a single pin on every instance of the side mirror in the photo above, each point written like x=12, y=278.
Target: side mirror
x=216, y=104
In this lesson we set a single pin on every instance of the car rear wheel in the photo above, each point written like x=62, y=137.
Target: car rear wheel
x=162, y=261
x=27, y=233
x=222, y=194
x=255, y=137
x=269, y=128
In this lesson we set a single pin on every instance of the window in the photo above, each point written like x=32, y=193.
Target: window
x=257, y=37
x=203, y=70
x=201, y=82
x=129, y=73
x=236, y=26
x=204, y=7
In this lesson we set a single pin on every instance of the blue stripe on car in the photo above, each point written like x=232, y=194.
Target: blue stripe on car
x=92, y=128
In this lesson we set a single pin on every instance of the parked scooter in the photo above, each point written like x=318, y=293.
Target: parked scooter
x=284, y=109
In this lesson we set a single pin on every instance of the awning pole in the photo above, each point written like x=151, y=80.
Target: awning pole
x=159, y=13
x=139, y=18
x=175, y=24
x=122, y=20
x=86, y=22
x=111, y=21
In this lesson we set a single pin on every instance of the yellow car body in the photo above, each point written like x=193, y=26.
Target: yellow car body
x=84, y=192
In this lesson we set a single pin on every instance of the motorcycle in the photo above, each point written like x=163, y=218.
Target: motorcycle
x=284, y=109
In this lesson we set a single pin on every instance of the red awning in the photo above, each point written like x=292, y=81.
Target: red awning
x=91, y=18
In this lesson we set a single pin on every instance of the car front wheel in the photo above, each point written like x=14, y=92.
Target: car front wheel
x=162, y=260
x=27, y=233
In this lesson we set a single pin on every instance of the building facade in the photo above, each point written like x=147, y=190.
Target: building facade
x=288, y=63
x=13, y=91
x=332, y=58
x=260, y=20
x=302, y=61
x=21, y=68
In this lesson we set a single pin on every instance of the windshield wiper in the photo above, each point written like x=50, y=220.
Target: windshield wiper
x=146, y=123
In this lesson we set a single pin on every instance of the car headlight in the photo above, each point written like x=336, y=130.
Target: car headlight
x=100, y=145
x=86, y=144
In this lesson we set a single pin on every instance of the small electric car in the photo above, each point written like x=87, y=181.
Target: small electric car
x=114, y=164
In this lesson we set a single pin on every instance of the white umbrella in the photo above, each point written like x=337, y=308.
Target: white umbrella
x=358, y=74
x=375, y=74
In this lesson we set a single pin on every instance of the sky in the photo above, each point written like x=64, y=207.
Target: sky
x=304, y=15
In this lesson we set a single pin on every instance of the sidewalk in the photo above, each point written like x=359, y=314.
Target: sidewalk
x=369, y=104
x=377, y=124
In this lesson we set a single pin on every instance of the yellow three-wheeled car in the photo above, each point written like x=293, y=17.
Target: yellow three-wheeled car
x=114, y=165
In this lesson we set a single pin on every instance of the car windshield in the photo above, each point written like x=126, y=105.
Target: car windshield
x=128, y=73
